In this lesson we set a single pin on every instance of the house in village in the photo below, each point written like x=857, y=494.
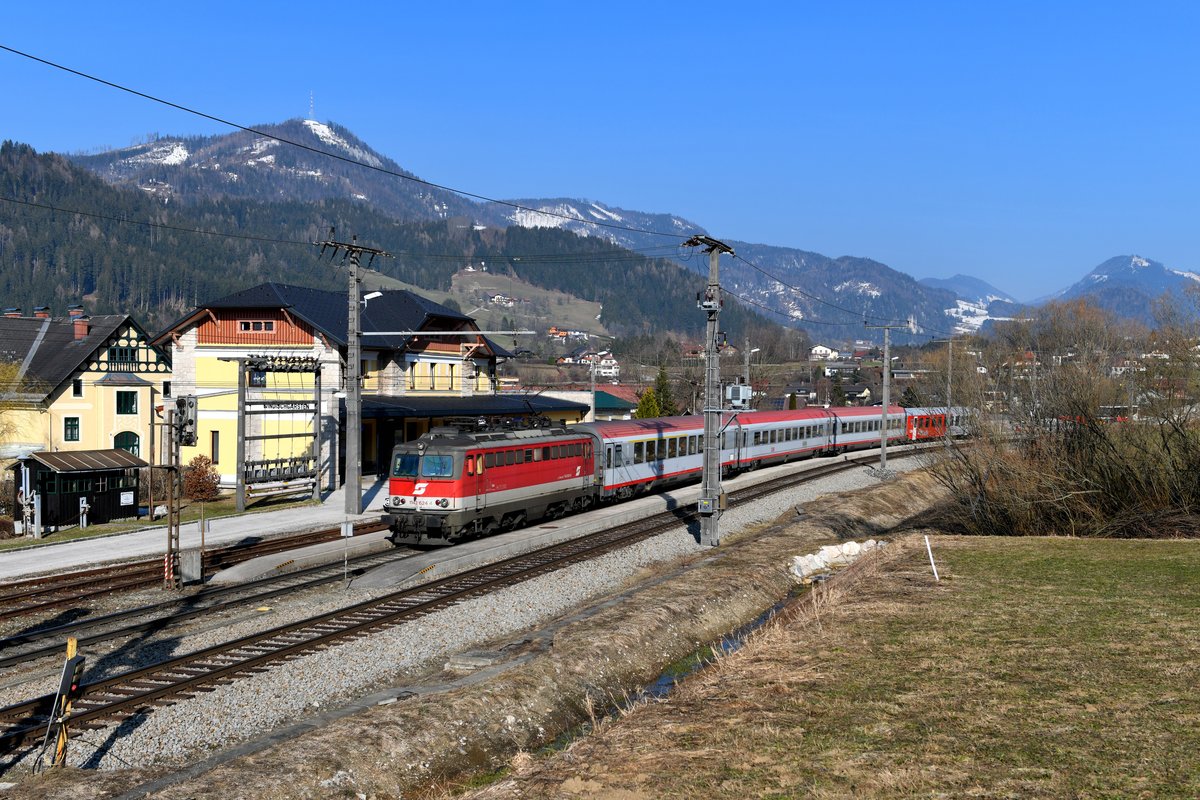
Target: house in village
x=80, y=383
x=412, y=379
x=820, y=352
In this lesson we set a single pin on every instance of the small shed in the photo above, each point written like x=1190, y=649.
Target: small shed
x=108, y=480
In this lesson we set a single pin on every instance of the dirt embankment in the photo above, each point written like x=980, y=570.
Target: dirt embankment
x=558, y=677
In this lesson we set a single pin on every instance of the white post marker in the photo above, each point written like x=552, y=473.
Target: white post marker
x=347, y=532
x=929, y=550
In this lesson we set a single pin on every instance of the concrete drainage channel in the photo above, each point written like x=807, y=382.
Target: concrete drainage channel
x=811, y=570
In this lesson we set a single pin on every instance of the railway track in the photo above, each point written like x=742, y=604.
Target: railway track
x=36, y=595
x=139, y=690
x=29, y=646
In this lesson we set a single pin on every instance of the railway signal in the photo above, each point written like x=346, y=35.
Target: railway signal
x=186, y=420
x=68, y=692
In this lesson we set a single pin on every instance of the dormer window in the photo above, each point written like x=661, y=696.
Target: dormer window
x=256, y=325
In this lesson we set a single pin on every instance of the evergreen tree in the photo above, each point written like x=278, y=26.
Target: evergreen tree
x=837, y=395
x=647, y=405
x=662, y=391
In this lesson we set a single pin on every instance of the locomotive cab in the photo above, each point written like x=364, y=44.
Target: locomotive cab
x=425, y=491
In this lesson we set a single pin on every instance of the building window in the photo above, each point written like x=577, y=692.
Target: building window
x=127, y=403
x=215, y=446
x=129, y=442
x=77, y=387
x=70, y=429
x=122, y=359
x=256, y=326
x=258, y=379
x=166, y=388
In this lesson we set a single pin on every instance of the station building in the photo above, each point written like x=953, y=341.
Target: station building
x=412, y=380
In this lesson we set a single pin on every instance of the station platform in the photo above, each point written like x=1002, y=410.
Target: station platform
x=76, y=554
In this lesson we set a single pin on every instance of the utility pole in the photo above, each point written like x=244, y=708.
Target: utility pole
x=949, y=372
x=353, y=473
x=949, y=375
x=910, y=326
x=593, y=388
x=711, y=498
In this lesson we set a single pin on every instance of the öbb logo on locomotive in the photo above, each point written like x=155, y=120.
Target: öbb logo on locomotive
x=474, y=480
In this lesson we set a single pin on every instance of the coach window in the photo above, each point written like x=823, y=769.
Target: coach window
x=546, y=454
x=671, y=451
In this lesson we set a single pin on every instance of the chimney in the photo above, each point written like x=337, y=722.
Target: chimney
x=12, y=313
x=75, y=311
x=42, y=312
x=83, y=325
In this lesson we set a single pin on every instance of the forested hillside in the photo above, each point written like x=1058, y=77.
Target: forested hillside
x=113, y=262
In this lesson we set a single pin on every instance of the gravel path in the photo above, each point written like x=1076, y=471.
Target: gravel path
x=288, y=692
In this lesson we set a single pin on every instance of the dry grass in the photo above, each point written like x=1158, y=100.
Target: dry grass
x=1037, y=668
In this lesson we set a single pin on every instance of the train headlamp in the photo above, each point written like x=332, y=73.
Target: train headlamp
x=443, y=502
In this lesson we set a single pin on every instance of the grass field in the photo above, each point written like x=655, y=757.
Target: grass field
x=1037, y=668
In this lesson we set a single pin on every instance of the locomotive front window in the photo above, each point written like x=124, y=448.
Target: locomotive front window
x=406, y=465
x=437, y=466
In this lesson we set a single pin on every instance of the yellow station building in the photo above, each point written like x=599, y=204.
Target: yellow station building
x=411, y=379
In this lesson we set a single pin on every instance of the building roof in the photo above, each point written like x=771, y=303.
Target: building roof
x=328, y=313
x=87, y=460
x=48, y=352
x=411, y=405
x=606, y=401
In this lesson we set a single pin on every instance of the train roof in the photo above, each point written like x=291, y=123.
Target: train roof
x=647, y=427
x=865, y=411
x=458, y=437
x=767, y=417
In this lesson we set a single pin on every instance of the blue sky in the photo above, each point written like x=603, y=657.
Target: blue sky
x=1022, y=143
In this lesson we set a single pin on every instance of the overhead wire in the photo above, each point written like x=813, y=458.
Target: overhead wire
x=329, y=154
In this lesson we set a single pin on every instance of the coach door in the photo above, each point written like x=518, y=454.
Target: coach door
x=614, y=465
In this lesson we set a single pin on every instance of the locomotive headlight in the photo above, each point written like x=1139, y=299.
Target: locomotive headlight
x=443, y=502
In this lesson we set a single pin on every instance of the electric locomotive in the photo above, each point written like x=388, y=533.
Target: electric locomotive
x=466, y=480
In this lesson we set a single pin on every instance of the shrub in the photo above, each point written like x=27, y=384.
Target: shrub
x=200, y=480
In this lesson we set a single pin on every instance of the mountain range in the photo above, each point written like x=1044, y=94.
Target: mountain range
x=830, y=297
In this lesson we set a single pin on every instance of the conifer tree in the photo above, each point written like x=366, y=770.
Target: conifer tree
x=648, y=407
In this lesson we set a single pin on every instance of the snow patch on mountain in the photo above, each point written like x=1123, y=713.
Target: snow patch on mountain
x=166, y=153
x=858, y=287
x=539, y=218
x=327, y=135
x=1185, y=274
x=969, y=316
x=1138, y=261
x=603, y=213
